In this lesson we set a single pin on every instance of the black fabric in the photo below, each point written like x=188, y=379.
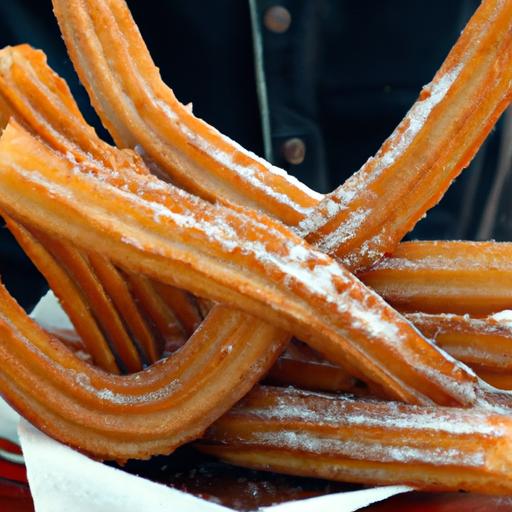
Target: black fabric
x=340, y=78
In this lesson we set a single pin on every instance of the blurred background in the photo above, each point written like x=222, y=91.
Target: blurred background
x=315, y=86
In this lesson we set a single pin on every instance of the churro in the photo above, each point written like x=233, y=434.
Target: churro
x=237, y=256
x=472, y=278
x=367, y=441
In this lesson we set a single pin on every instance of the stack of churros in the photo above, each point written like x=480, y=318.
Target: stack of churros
x=190, y=268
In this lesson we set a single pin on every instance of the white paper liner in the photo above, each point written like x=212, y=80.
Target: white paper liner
x=62, y=479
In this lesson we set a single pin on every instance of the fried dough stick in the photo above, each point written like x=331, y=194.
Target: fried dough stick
x=236, y=256
x=131, y=416
x=303, y=368
x=100, y=13
x=43, y=102
x=484, y=344
x=126, y=89
x=435, y=141
x=365, y=441
x=195, y=245
x=71, y=296
x=472, y=278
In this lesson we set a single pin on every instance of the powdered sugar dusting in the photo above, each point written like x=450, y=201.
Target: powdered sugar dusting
x=460, y=387
x=333, y=411
x=250, y=173
x=475, y=348
x=297, y=263
x=107, y=395
x=345, y=231
x=369, y=450
x=481, y=356
x=498, y=323
x=366, y=429
x=504, y=318
x=314, y=270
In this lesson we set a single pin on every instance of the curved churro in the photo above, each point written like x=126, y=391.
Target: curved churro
x=339, y=438
x=445, y=108
x=235, y=256
x=132, y=416
x=232, y=354
x=446, y=277
x=274, y=275
x=40, y=99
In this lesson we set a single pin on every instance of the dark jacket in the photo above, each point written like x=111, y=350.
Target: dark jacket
x=336, y=75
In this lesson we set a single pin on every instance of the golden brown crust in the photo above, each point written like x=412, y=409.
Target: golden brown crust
x=442, y=131
x=167, y=326
x=42, y=101
x=156, y=120
x=483, y=342
x=183, y=241
x=135, y=416
x=446, y=277
x=118, y=291
x=303, y=368
x=445, y=108
x=236, y=255
x=89, y=13
x=69, y=295
x=183, y=305
x=500, y=380
x=371, y=442
x=102, y=308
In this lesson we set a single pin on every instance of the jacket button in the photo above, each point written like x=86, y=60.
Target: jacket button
x=277, y=19
x=294, y=151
